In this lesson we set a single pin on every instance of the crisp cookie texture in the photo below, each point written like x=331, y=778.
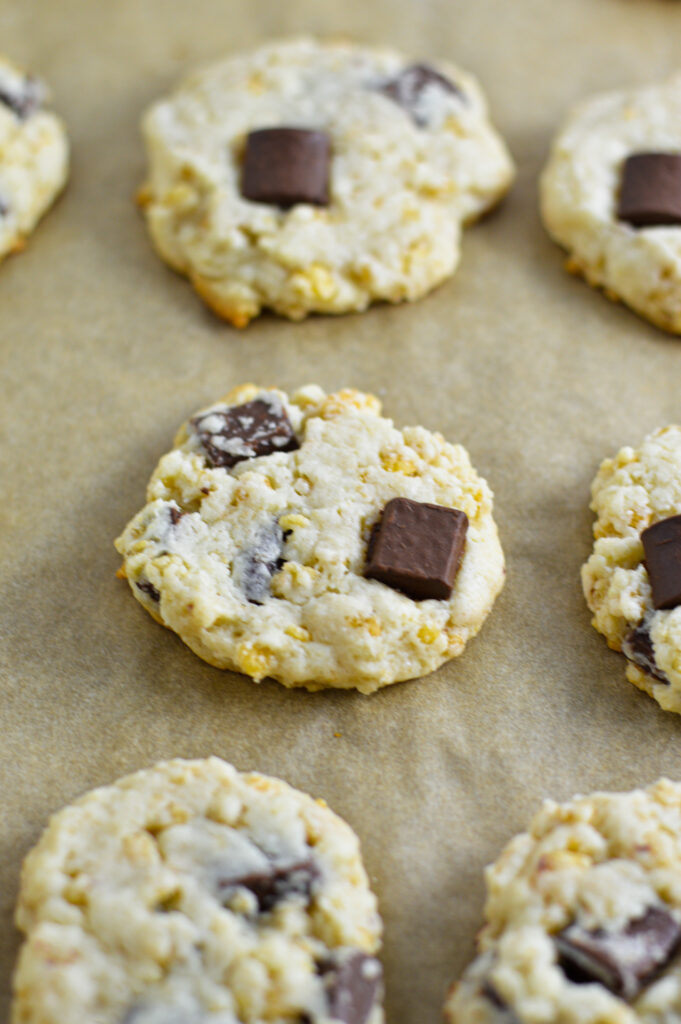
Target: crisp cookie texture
x=402, y=180
x=193, y=894
x=637, y=488
x=33, y=156
x=582, y=917
x=580, y=189
x=259, y=567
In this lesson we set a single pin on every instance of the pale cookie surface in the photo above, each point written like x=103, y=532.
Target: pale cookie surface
x=33, y=156
x=580, y=189
x=190, y=893
x=408, y=167
x=637, y=488
x=582, y=919
x=259, y=566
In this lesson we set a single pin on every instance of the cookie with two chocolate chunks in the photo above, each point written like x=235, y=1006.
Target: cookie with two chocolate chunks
x=662, y=546
x=285, y=166
x=407, y=89
x=246, y=431
x=650, y=193
x=417, y=547
x=278, y=884
x=624, y=961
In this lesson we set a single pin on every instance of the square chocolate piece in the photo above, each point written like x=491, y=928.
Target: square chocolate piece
x=246, y=431
x=662, y=546
x=416, y=547
x=650, y=194
x=284, y=166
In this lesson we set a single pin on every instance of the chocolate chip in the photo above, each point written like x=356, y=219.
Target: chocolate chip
x=625, y=961
x=245, y=431
x=255, y=567
x=407, y=89
x=24, y=101
x=650, y=194
x=273, y=886
x=148, y=588
x=416, y=548
x=285, y=166
x=4, y=207
x=638, y=647
x=662, y=546
x=352, y=984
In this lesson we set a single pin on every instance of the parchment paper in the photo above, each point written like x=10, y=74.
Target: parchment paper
x=105, y=352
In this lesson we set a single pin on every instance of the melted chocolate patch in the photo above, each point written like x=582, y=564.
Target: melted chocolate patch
x=256, y=566
x=295, y=881
x=407, y=89
x=624, y=962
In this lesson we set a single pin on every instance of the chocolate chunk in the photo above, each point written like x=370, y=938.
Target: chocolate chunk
x=416, y=548
x=175, y=515
x=280, y=883
x=245, y=431
x=24, y=101
x=650, y=194
x=662, y=546
x=407, y=89
x=352, y=983
x=503, y=1013
x=255, y=567
x=148, y=588
x=4, y=207
x=285, y=166
x=624, y=962
x=638, y=647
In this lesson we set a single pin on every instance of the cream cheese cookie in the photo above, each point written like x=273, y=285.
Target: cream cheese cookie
x=611, y=195
x=33, y=156
x=629, y=581
x=582, y=919
x=272, y=542
x=193, y=894
x=319, y=177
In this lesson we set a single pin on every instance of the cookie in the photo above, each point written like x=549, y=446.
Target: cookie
x=271, y=542
x=33, y=156
x=583, y=917
x=309, y=177
x=627, y=585
x=611, y=195
x=191, y=893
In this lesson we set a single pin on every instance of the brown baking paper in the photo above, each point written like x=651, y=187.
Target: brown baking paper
x=105, y=351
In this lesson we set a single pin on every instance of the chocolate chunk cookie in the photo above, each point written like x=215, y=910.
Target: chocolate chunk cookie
x=309, y=540
x=190, y=893
x=611, y=195
x=318, y=177
x=33, y=156
x=583, y=917
x=632, y=581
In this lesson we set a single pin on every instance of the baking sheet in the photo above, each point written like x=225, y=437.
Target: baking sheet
x=105, y=352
